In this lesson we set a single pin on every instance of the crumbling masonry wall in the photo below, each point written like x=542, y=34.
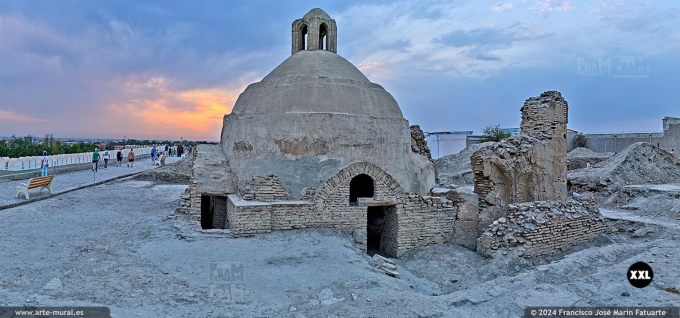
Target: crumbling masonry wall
x=542, y=228
x=528, y=167
x=419, y=146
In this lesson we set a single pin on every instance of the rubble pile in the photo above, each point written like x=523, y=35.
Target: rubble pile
x=580, y=158
x=177, y=172
x=542, y=228
x=456, y=169
x=639, y=163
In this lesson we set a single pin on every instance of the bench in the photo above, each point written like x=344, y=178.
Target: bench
x=37, y=182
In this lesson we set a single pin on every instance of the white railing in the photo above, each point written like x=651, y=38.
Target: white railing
x=33, y=162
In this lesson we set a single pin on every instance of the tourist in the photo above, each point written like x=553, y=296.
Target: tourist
x=131, y=159
x=119, y=158
x=44, y=163
x=95, y=160
x=153, y=155
x=107, y=156
x=673, y=152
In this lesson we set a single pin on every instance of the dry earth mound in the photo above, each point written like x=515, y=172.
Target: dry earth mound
x=176, y=172
x=456, y=169
x=639, y=163
x=580, y=157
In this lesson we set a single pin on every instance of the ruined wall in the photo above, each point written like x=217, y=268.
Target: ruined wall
x=528, y=167
x=418, y=143
x=419, y=146
x=545, y=118
x=466, y=225
x=267, y=188
x=517, y=169
x=542, y=228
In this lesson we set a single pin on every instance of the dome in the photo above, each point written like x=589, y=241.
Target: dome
x=316, y=13
x=316, y=114
x=316, y=81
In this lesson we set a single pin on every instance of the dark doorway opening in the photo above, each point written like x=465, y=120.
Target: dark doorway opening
x=375, y=225
x=206, y=212
x=361, y=186
x=214, y=212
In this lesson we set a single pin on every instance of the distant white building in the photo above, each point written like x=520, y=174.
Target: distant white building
x=444, y=143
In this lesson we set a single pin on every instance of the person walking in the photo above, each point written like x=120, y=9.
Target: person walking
x=44, y=163
x=131, y=159
x=95, y=160
x=119, y=158
x=107, y=156
x=153, y=155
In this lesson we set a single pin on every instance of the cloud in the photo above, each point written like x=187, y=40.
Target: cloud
x=490, y=37
x=553, y=6
x=154, y=107
x=12, y=116
x=630, y=16
x=501, y=6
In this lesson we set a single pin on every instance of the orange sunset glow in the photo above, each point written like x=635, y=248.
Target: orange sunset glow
x=193, y=113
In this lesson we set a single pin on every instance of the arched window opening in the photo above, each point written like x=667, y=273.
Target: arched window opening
x=303, y=38
x=323, y=37
x=361, y=186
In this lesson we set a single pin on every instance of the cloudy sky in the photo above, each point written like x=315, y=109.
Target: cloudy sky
x=171, y=69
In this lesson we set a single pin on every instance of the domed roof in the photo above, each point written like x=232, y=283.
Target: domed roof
x=314, y=65
x=316, y=81
x=316, y=12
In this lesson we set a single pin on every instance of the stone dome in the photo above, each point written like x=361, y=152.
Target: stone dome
x=313, y=82
x=316, y=114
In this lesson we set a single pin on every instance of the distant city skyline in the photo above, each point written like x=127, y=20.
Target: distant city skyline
x=170, y=69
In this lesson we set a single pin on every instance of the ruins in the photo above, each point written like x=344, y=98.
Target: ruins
x=521, y=183
x=315, y=144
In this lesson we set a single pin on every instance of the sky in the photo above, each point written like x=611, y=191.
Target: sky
x=172, y=69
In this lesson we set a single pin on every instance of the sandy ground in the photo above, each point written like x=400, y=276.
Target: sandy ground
x=120, y=245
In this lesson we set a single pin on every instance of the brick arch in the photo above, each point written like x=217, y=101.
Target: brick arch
x=385, y=186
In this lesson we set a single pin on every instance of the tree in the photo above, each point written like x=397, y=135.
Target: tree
x=494, y=133
x=580, y=140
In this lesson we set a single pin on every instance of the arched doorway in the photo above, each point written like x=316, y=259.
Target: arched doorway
x=360, y=186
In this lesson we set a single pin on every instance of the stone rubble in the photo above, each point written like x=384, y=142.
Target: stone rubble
x=385, y=265
x=542, y=228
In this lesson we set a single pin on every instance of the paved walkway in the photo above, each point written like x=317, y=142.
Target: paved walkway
x=73, y=180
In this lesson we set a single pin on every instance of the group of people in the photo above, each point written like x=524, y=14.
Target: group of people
x=156, y=158
x=107, y=156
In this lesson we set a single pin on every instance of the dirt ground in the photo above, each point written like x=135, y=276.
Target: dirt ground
x=121, y=245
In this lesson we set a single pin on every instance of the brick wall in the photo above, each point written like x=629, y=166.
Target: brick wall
x=410, y=220
x=265, y=188
x=424, y=220
x=542, y=228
